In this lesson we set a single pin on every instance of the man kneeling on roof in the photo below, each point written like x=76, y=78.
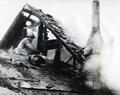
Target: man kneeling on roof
x=25, y=48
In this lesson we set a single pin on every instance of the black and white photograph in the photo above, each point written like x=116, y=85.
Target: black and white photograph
x=59, y=47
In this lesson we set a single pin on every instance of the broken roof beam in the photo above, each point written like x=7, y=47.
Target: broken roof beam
x=57, y=31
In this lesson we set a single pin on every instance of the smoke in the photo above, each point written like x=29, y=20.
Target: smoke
x=103, y=68
x=110, y=61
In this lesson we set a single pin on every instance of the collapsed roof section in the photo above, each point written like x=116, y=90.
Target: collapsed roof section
x=56, y=30
x=12, y=37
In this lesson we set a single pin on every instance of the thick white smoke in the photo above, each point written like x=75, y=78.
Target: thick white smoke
x=110, y=61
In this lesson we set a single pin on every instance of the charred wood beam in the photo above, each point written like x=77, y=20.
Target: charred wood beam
x=40, y=36
x=58, y=52
x=44, y=41
x=40, y=15
x=52, y=44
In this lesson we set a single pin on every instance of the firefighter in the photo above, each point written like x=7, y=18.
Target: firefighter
x=25, y=46
x=26, y=51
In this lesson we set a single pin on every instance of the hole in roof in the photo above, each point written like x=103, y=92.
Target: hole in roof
x=34, y=18
x=50, y=35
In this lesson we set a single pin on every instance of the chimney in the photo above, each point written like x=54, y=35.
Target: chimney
x=95, y=40
x=96, y=15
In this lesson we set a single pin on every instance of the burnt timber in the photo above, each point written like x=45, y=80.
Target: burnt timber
x=57, y=30
x=46, y=21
